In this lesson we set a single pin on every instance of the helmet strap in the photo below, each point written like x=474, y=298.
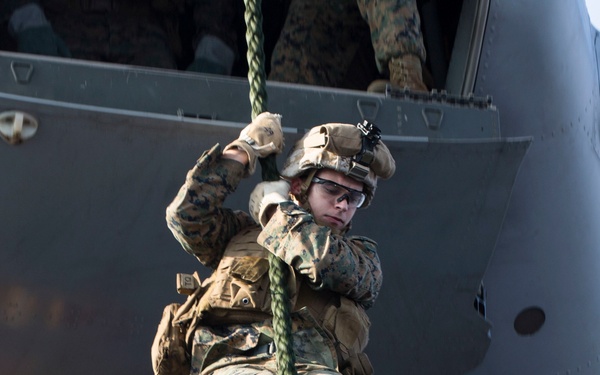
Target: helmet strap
x=302, y=198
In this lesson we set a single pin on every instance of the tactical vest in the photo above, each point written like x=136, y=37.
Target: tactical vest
x=238, y=292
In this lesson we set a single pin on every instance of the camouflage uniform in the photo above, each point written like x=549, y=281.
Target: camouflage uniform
x=320, y=38
x=136, y=32
x=329, y=264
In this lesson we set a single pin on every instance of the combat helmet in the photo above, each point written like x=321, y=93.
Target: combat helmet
x=355, y=150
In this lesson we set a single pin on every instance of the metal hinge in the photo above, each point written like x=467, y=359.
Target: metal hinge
x=16, y=126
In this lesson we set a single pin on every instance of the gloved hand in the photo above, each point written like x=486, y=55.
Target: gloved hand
x=213, y=56
x=42, y=41
x=261, y=138
x=266, y=195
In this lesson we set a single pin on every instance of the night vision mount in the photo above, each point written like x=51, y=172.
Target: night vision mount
x=371, y=135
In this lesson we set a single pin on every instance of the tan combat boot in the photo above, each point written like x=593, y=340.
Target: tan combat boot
x=405, y=71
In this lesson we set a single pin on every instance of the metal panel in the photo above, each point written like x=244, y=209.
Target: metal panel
x=538, y=62
x=87, y=262
x=226, y=99
x=437, y=222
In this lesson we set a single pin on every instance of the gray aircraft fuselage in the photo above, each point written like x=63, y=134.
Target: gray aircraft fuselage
x=497, y=184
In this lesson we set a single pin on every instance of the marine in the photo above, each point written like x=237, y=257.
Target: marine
x=303, y=219
x=320, y=40
x=133, y=32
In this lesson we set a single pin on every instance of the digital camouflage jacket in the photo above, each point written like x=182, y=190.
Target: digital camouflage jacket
x=328, y=264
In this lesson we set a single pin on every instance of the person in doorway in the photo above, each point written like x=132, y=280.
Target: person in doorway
x=303, y=219
x=319, y=41
x=133, y=32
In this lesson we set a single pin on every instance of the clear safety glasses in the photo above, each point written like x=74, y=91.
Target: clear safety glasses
x=339, y=192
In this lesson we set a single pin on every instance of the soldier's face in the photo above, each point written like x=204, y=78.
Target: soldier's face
x=333, y=200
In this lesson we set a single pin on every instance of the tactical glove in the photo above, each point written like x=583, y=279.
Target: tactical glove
x=266, y=195
x=261, y=138
x=213, y=56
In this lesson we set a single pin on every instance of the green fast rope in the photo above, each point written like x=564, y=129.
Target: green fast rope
x=255, y=57
x=278, y=272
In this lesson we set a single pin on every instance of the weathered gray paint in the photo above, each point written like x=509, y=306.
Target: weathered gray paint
x=87, y=263
x=88, y=258
x=539, y=65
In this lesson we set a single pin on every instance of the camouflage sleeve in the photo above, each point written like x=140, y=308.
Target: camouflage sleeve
x=346, y=265
x=197, y=218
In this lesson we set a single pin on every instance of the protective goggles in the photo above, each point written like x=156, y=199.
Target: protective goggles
x=339, y=192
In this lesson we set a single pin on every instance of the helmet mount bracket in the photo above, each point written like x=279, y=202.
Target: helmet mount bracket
x=371, y=135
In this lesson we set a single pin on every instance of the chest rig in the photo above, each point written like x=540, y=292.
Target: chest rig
x=238, y=293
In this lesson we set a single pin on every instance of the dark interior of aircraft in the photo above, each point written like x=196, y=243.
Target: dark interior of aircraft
x=439, y=21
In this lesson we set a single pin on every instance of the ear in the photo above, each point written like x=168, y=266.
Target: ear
x=295, y=185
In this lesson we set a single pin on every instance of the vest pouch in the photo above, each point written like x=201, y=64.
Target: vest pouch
x=169, y=349
x=350, y=325
x=358, y=364
x=238, y=291
x=249, y=286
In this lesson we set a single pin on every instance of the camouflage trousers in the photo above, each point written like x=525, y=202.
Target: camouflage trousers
x=238, y=348
x=320, y=39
